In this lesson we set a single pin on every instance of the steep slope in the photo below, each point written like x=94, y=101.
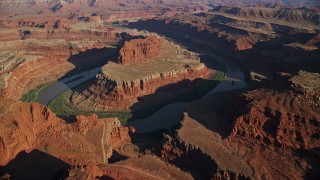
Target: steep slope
x=28, y=126
x=130, y=85
x=34, y=129
x=271, y=132
x=140, y=50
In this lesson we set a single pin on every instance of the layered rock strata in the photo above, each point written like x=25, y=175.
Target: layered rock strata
x=260, y=133
x=30, y=126
x=109, y=94
x=140, y=50
x=121, y=87
x=46, y=56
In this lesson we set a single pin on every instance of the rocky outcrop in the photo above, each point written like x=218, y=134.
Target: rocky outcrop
x=264, y=132
x=276, y=128
x=140, y=50
x=243, y=44
x=185, y=154
x=88, y=172
x=141, y=85
x=144, y=167
x=29, y=126
x=108, y=94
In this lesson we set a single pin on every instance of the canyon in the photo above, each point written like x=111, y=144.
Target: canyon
x=120, y=86
x=263, y=124
x=159, y=89
x=30, y=126
x=47, y=56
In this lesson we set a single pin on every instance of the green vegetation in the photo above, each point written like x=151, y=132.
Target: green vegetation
x=61, y=106
x=32, y=95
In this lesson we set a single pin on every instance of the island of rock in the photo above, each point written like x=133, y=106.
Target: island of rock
x=147, y=71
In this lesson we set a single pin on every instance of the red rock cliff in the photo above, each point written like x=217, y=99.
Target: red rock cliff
x=28, y=126
x=140, y=50
x=107, y=94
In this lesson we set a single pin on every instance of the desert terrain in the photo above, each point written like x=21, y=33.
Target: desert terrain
x=159, y=89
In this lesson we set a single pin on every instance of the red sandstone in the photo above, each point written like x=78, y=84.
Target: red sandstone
x=140, y=50
x=32, y=126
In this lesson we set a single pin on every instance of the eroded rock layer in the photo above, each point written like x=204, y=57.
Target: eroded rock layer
x=245, y=39
x=30, y=126
x=265, y=132
x=140, y=50
x=43, y=56
x=109, y=94
x=120, y=87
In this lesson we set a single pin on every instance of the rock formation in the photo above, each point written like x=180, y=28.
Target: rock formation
x=144, y=167
x=140, y=50
x=29, y=126
x=246, y=39
x=45, y=56
x=121, y=95
x=265, y=132
x=120, y=87
x=293, y=14
x=270, y=130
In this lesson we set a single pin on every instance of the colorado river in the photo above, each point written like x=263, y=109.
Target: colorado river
x=172, y=114
x=164, y=118
x=53, y=90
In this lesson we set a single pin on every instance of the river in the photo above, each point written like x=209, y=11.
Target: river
x=164, y=118
x=171, y=114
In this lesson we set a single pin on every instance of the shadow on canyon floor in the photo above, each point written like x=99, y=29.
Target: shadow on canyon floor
x=92, y=58
x=35, y=165
x=116, y=157
x=210, y=112
x=154, y=141
x=312, y=156
x=182, y=91
x=264, y=53
x=184, y=40
x=96, y=57
x=214, y=112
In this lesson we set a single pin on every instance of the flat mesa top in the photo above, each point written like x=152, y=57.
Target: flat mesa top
x=172, y=58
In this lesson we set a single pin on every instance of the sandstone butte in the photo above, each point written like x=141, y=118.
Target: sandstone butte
x=120, y=87
x=140, y=50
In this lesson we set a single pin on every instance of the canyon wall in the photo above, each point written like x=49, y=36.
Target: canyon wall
x=292, y=14
x=51, y=52
x=106, y=94
x=267, y=132
x=68, y=35
x=243, y=41
x=32, y=126
x=140, y=50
